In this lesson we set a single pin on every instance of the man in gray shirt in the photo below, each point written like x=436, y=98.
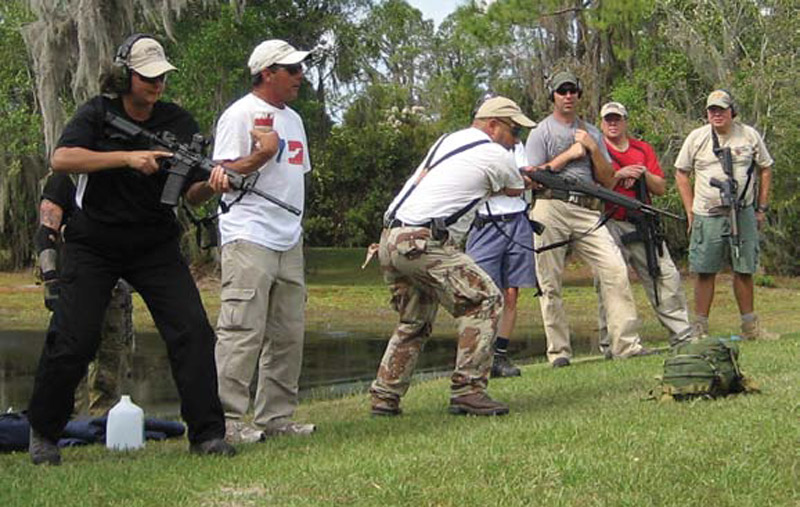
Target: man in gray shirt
x=567, y=144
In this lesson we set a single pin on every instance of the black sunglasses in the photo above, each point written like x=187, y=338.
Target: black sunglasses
x=153, y=80
x=516, y=130
x=292, y=69
x=563, y=90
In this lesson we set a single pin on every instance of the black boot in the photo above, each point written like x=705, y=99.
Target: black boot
x=503, y=367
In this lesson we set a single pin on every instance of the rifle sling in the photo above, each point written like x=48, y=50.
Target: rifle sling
x=716, y=148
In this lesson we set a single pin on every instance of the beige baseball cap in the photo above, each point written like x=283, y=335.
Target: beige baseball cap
x=274, y=51
x=719, y=98
x=613, y=108
x=501, y=107
x=147, y=58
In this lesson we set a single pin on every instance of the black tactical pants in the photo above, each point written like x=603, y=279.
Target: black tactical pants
x=148, y=257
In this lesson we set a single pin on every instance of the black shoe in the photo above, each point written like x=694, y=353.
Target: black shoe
x=503, y=367
x=215, y=446
x=477, y=404
x=43, y=451
x=560, y=362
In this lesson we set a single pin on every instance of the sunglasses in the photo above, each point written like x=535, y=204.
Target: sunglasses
x=516, y=130
x=292, y=69
x=563, y=90
x=153, y=80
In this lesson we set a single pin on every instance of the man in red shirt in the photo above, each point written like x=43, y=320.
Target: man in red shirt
x=635, y=163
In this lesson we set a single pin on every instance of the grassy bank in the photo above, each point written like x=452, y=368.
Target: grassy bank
x=575, y=436
x=342, y=297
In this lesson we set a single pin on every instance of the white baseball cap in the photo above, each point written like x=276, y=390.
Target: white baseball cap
x=147, y=58
x=274, y=51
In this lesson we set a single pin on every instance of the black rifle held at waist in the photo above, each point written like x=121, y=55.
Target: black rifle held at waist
x=650, y=233
x=187, y=158
x=570, y=184
x=729, y=194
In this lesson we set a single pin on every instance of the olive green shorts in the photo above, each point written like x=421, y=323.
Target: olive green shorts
x=710, y=246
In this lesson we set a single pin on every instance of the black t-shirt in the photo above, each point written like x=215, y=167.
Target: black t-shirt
x=59, y=189
x=124, y=196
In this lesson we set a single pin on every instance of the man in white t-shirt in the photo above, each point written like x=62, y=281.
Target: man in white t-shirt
x=261, y=321
x=424, y=267
x=501, y=243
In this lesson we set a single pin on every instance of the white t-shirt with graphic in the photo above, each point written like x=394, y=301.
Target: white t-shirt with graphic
x=476, y=173
x=254, y=218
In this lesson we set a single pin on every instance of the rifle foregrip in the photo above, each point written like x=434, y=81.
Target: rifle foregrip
x=172, y=189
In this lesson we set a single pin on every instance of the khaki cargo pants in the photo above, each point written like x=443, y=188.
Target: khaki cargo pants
x=260, y=328
x=423, y=273
x=563, y=220
x=671, y=309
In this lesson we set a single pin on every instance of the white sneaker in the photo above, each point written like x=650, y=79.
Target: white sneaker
x=290, y=428
x=239, y=432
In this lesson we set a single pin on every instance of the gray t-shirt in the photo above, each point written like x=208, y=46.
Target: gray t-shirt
x=551, y=138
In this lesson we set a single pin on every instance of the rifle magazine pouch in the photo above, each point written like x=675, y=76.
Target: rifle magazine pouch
x=411, y=243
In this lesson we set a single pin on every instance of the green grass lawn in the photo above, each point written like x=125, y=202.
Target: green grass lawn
x=576, y=436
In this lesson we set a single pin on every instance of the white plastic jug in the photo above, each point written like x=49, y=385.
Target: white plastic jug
x=125, y=426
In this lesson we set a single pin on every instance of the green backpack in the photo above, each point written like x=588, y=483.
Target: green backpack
x=703, y=368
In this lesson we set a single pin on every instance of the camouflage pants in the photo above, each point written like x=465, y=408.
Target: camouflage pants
x=102, y=387
x=423, y=273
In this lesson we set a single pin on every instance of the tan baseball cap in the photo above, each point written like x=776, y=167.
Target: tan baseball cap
x=613, y=108
x=501, y=107
x=147, y=58
x=719, y=98
x=274, y=51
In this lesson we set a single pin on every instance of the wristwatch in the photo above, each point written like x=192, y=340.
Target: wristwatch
x=762, y=208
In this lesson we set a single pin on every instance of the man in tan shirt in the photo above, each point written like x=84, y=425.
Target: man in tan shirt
x=709, y=222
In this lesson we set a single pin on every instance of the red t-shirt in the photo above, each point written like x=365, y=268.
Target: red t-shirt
x=638, y=153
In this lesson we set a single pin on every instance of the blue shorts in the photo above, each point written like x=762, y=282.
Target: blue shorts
x=509, y=264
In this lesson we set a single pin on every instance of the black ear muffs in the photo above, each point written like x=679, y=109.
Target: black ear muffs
x=122, y=58
x=733, y=102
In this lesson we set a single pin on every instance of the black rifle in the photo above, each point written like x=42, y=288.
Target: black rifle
x=650, y=233
x=565, y=185
x=187, y=158
x=729, y=193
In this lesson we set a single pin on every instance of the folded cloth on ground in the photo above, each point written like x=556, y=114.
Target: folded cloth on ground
x=15, y=431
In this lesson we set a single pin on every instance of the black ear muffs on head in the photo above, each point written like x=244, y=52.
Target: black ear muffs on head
x=123, y=54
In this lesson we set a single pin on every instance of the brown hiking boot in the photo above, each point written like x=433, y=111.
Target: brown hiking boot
x=477, y=404
x=753, y=331
x=385, y=408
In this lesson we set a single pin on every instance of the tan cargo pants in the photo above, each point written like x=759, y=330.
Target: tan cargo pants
x=261, y=325
x=671, y=311
x=423, y=273
x=563, y=220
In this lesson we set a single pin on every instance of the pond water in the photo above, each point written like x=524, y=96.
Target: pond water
x=334, y=363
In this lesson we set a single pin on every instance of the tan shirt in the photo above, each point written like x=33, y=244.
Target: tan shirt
x=697, y=155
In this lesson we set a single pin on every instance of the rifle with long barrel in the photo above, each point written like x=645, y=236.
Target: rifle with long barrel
x=570, y=184
x=187, y=158
x=728, y=192
x=650, y=233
